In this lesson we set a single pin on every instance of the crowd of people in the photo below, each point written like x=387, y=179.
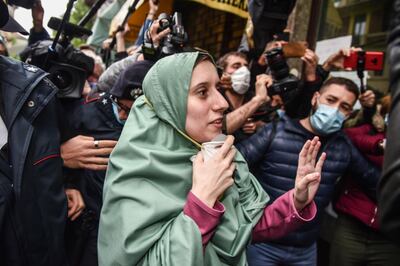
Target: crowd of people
x=190, y=160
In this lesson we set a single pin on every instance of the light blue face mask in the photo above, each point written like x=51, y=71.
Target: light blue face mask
x=280, y=112
x=386, y=119
x=115, y=109
x=327, y=120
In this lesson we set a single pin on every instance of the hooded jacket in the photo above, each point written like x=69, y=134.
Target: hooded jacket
x=150, y=175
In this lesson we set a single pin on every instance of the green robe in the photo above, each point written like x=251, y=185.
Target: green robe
x=148, y=179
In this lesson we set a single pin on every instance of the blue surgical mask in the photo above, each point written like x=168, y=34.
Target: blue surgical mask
x=386, y=119
x=327, y=120
x=280, y=112
x=115, y=109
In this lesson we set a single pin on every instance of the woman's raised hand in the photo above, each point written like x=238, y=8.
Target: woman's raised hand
x=308, y=174
x=213, y=177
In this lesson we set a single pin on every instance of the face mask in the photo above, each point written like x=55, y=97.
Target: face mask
x=327, y=120
x=115, y=109
x=241, y=80
x=280, y=113
x=386, y=119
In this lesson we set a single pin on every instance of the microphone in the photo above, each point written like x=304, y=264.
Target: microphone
x=70, y=29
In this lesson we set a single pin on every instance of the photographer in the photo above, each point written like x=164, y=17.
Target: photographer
x=294, y=93
x=109, y=77
x=234, y=85
x=122, y=52
x=38, y=32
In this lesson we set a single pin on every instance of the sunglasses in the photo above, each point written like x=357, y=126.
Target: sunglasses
x=123, y=107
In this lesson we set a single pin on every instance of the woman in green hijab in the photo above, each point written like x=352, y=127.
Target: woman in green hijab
x=160, y=208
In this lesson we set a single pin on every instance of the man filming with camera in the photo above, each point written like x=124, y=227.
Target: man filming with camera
x=234, y=85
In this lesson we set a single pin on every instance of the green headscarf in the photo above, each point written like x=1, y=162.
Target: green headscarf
x=150, y=175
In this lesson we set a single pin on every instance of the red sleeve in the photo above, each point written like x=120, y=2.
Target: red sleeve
x=281, y=218
x=206, y=218
x=366, y=143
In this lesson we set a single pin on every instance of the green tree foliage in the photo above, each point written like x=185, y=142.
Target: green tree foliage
x=78, y=12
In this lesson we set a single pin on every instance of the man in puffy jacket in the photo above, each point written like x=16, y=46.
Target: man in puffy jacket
x=272, y=152
x=33, y=206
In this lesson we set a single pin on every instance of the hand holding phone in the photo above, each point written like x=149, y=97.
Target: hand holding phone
x=373, y=61
x=294, y=49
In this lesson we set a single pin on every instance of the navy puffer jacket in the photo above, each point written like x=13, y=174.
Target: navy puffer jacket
x=274, y=163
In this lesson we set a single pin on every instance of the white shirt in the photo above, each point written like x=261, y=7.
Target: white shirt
x=3, y=133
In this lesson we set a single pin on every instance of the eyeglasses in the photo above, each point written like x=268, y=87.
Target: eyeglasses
x=123, y=107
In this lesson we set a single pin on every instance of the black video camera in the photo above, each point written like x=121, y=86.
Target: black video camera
x=173, y=43
x=68, y=67
x=284, y=82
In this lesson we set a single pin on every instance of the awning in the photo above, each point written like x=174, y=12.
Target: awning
x=136, y=20
x=116, y=12
x=237, y=7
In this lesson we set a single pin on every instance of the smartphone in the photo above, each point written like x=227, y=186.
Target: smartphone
x=283, y=36
x=373, y=61
x=294, y=49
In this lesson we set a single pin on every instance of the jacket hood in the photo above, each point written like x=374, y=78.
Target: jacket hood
x=166, y=86
x=150, y=175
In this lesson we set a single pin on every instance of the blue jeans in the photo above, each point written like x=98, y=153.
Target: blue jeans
x=266, y=254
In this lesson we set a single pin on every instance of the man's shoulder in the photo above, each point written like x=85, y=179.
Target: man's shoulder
x=18, y=74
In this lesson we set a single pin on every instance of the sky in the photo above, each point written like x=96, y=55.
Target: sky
x=52, y=8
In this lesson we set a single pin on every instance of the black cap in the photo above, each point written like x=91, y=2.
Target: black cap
x=129, y=83
x=7, y=23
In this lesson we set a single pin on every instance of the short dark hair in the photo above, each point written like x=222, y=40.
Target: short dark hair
x=222, y=61
x=347, y=83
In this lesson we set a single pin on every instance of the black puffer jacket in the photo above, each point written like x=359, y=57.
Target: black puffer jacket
x=275, y=166
x=389, y=190
x=33, y=206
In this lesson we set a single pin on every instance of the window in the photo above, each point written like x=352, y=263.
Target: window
x=359, y=28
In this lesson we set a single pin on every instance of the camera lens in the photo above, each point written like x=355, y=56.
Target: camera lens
x=277, y=63
x=62, y=79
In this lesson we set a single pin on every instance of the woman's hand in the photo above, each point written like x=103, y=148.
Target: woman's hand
x=308, y=173
x=212, y=178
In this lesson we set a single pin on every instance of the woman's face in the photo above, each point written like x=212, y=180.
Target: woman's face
x=206, y=105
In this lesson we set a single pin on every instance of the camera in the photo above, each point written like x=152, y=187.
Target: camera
x=284, y=82
x=68, y=67
x=173, y=43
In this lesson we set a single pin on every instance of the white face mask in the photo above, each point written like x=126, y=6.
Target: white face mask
x=241, y=80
